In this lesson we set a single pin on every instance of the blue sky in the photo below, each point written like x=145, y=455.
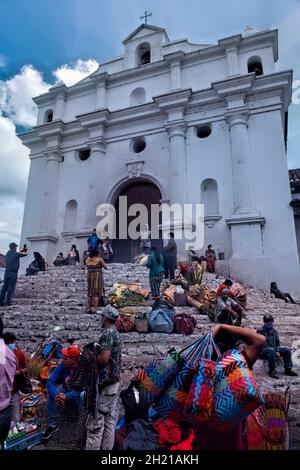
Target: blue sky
x=43, y=41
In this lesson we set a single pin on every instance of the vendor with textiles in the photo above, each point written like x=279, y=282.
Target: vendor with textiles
x=60, y=394
x=228, y=311
x=102, y=415
x=273, y=350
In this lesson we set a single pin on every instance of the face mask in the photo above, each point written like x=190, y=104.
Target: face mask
x=269, y=326
x=12, y=346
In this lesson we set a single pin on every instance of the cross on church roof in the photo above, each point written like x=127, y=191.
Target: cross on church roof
x=145, y=17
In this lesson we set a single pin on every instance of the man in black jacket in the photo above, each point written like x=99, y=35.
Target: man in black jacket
x=273, y=350
x=170, y=257
x=12, y=260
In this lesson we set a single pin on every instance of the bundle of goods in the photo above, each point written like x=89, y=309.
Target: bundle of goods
x=184, y=323
x=24, y=435
x=267, y=427
x=239, y=293
x=141, y=322
x=128, y=295
x=192, y=386
x=125, y=323
x=42, y=357
x=161, y=317
x=203, y=299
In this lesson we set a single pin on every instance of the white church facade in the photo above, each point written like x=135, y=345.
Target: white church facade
x=170, y=121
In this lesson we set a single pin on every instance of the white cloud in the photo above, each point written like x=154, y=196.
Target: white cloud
x=71, y=74
x=16, y=95
x=14, y=164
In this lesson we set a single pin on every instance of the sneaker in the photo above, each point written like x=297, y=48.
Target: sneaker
x=291, y=373
x=49, y=431
x=273, y=374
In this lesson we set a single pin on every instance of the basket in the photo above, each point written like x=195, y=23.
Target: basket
x=141, y=325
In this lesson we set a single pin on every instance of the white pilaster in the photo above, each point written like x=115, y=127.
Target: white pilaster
x=49, y=205
x=101, y=84
x=232, y=61
x=240, y=158
x=177, y=162
x=97, y=151
x=60, y=107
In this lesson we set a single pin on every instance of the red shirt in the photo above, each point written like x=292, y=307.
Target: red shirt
x=21, y=363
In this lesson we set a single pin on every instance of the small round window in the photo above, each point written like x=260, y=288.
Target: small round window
x=203, y=131
x=138, y=145
x=84, y=154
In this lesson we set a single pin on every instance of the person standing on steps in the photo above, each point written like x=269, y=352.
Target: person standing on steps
x=12, y=260
x=8, y=366
x=170, y=257
x=95, y=281
x=155, y=265
x=210, y=256
x=93, y=241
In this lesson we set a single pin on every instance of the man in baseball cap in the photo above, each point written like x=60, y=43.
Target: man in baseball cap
x=59, y=392
x=12, y=262
x=273, y=350
x=101, y=424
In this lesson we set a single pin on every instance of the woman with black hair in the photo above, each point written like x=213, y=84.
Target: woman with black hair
x=37, y=265
x=155, y=264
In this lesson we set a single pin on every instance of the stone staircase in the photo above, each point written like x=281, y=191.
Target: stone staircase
x=51, y=306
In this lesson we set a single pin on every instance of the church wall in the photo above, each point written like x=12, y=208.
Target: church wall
x=200, y=76
x=211, y=158
x=118, y=96
x=266, y=55
x=272, y=198
x=77, y=105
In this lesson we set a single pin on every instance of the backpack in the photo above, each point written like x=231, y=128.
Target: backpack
x=161, y=317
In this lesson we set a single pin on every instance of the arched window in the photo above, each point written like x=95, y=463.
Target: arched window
x=255, y=65
x=48, y=116
x=143, y=54
x=209, y=197
x=70, y=221
x=138, y=96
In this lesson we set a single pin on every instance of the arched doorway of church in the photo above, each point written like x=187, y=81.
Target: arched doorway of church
x=142, y=192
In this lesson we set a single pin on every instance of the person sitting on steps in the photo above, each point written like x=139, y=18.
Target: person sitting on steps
x=273, y=350
x=279, y=294
x=228, y=311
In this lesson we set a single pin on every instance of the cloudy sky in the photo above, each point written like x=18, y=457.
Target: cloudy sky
x=42, y=42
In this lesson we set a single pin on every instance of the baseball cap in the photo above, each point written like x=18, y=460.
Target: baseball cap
x=110, y=312
x=268, y=318
x=13, y=245
x=72, y=352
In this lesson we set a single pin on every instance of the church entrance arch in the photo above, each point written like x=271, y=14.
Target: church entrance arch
x=142, y=192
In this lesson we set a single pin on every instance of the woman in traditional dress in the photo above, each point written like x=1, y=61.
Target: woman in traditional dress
x=155, y=264
x=95, y=281
x=210, y=256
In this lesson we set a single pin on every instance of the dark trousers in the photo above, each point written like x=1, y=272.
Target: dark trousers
x=5, y=420
x=282, y=295
x=270, y=355
x=8, y=288
x=169, y=266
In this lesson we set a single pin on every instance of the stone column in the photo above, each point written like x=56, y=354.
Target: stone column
x=49, y=205
x=232, y=61
x=177, y=162
x=240, y=157
x=97, y=151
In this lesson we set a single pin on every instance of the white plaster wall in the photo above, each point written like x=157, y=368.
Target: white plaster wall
x=211, y=158
x=266, y=55
x=272, y=198
x=200, y=76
